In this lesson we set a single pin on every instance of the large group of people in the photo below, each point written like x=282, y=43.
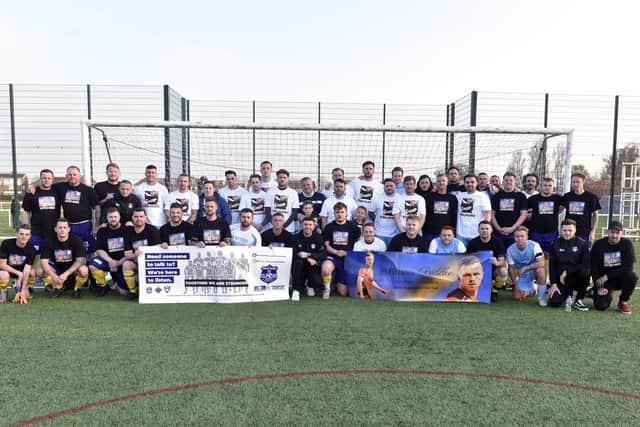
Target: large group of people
x=542, y=243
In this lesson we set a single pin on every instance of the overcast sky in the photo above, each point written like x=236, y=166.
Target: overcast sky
x=355, y=51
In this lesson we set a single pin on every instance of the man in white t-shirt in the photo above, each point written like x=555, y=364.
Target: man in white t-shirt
x=285, y=200
x=153, y=195
x=368, y=241
x=185, y=198
x=244, y=233
x=265, y=175
x=339, y=195
x=233, y=194
x=411, y=203
x=258, y=201
x=384, y=209
x=366, y=186
x=336, y=173
x=473, y=206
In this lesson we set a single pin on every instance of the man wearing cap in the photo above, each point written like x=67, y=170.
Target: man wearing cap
x=612, y=259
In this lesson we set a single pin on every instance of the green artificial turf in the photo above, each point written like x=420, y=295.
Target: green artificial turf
x=64, y=353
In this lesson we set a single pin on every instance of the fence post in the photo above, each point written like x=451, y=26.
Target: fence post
x=318, y=166
x=472, y=136
x=384, y=137
x=188, y=118
x=15, y=205
x=167, y=138
x=543, y=154
x=452, y=122
x=183, y=117
x=614, y=155
x=253, y=136
x=90, y=133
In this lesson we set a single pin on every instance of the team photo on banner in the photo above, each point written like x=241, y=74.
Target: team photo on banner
x=419, y=277
x=227, y=274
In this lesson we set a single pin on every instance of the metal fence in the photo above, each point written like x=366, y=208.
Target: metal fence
x=39, y=125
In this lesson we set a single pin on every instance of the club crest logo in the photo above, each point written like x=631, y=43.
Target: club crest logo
x=167, y=288
x=268, y=273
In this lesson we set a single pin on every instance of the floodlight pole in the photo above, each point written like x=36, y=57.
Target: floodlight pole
x=86, y=153
x=614, y=155
x=15, y=206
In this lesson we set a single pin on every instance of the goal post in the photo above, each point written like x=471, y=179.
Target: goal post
x=208, y=149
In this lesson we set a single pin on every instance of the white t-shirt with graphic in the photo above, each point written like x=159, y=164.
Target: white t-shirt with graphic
x=188, y=200
x=284, y=201
x=328, y=204
x=257, y=202
x=411, y=205
x=234, y=200
x=385, y=207
x=245, y=238
x=470, y=212
x=364, y=191
x=153, y=199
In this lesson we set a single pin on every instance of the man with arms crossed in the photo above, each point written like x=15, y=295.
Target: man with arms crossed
x=153, y=196
x=41, y=210
x=582, y=206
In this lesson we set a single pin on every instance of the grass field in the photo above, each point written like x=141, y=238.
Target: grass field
x=64, y=353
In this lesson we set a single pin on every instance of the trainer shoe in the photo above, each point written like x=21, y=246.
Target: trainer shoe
x=130, y=296
x=76, y=293
x=311, y=292
x=494, y=296
x=580, y=306
x=623, y=307
x=542, y=302
x=55, y=292
x=326, y=292
x=102, y=291
x=3, y=295
x=295, y=295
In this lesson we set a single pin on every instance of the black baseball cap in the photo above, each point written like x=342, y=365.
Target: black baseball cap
x=615, y=225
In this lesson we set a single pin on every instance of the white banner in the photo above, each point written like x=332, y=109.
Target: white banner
x=185, y=274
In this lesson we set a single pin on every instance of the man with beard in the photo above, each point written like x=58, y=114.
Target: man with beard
x=142, y=233
x=308, y=254
x=41, y=210
x=185, y=198
x=582, y=206
x=125, y=201
x=176, y=232
x=366, y=187
x=454, y=186
x=234, y=194
x=211, y=230
x=106, y=190
x=244, y=233
x=258, y=201
x=153, y=196
x=209, y=189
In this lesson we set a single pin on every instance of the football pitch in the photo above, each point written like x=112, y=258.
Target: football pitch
x=344, y=361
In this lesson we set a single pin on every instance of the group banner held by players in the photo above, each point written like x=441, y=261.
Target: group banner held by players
x=229, y=274
x=419, y=277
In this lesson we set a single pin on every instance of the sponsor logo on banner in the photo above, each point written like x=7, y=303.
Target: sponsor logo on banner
x=269, y=273
x=158, y=290
x=260, y=288
x=149, y=290
x=167, y=289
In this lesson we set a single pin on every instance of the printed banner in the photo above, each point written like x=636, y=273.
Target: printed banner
x=185, y=274
x=419, y=277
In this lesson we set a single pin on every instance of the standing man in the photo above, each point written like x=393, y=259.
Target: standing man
x=612, y=260
x=339, y=196
x=125, y=201
x=285, y=200
x=569, y=265
x=258, y=201
x=411, y=203
x=409, y=242
x=114, y=254
x=530, y=185
x=473, y=206
x=339, y=237
x=265, y=171
x=487, y=242
x=544, y=210
x=454, y=186
x=63, y=261
x=526, y=265
x=397, y=175
x=385, y=212
x=308, y=254
x=308, y=193
x=582, y=206
x=484, y=185
x=209, y=189
x=234, y=194
x=366, y=187
x=211, y=230
x=510, y=209
x=244, y=233
x=78, y=201
x=441, y=209
x=185, y=198
x=41, y=210
x=336, y=173
x=16, y=261
x=153, y=196
x=106, y=190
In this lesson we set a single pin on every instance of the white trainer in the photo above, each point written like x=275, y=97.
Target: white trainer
x=295, y=296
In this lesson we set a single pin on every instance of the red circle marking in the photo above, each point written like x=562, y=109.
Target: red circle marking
x=81, y=408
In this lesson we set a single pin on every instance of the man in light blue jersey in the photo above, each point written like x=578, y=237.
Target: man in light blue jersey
x=526, y=265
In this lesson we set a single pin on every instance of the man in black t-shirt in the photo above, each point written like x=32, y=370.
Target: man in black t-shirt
x=487, y=242
x=78, y=201
x=409, y=242
x=62, y=263
x=308, y=253
x=107, y=190
x=125, y=200
x=510, y=210
x=114, y=254
x=612, y=260
x=142, y=233
x=339, y=236
x=582, y=206
x=442, y=209
x=41, y=210
x=176, y=232
x=211, y=230
x=16, y=260
x=277, y=235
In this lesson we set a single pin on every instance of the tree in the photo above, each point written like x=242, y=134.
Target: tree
x=628, y=154
x=580, y=168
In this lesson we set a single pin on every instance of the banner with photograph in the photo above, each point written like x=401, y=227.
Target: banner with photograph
x=419, y=277
x=188, y=274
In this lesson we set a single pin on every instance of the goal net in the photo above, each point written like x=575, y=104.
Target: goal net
x=209, y=149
